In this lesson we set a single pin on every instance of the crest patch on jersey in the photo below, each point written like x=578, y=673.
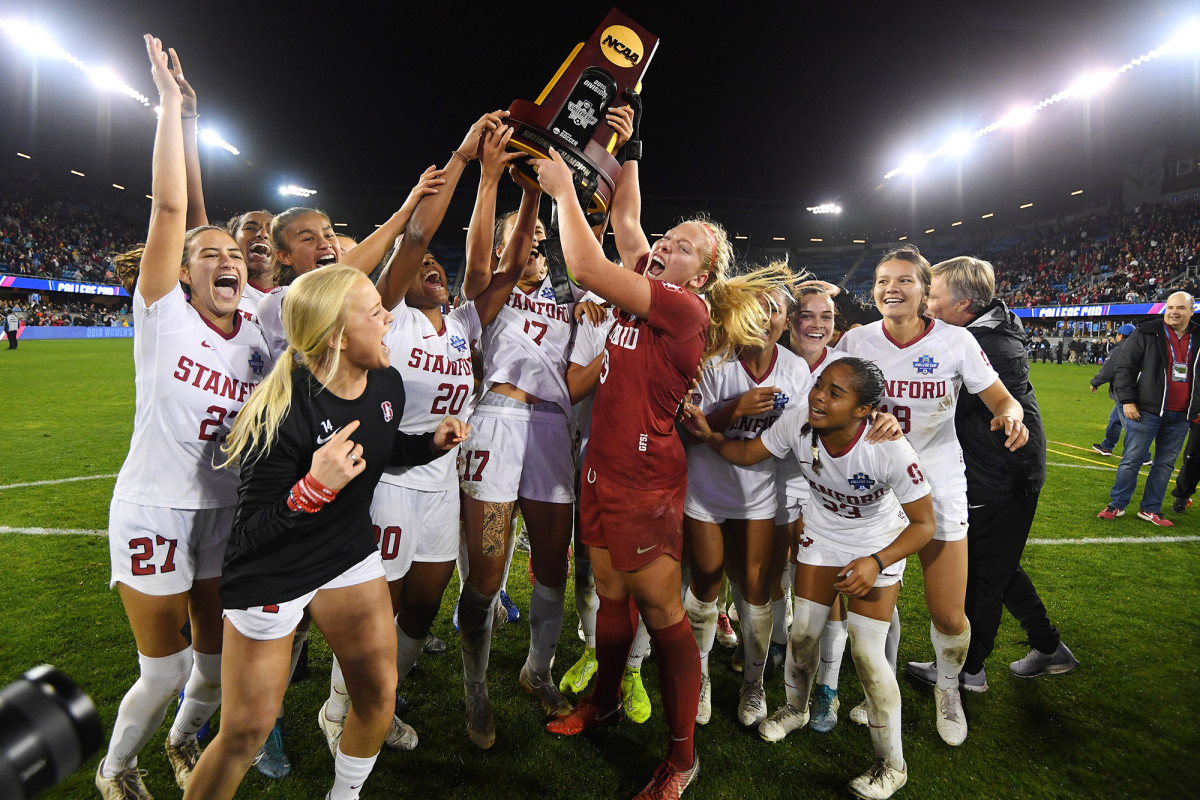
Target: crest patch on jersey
x=386, y=405
x=256, y=363
x=861, y=481
x=458, y=343
x=547, y=292
x=672, y=287
x=925, y=365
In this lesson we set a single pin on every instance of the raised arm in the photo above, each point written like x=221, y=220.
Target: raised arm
x=159, y=272
x=585, y=257
x=494, y=159
x=196, y=213
x=626, y=217
x=516, y=254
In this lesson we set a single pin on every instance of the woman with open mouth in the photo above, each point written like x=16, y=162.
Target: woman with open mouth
x=195, y=363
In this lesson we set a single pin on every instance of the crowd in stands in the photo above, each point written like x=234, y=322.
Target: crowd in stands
x=42, y=236
x=76, y=313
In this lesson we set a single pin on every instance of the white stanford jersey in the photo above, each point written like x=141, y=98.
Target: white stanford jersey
x=438, y=383
x=856, y=497
x=269, y=315
x=922, y=383
x=248, y=305
x=191, y=381
x=723, y=489
x=589, y=345
x=789, y=477
x=527, y=344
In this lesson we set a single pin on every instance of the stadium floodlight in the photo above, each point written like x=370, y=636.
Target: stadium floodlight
x=1091, y=83
x=930, y=230
x=988, y=215
x=1018, y=117
x=292, y=190
x=77, y=172
x=1027, y=205
x=1077, y=191
x=118, y=186
x=23, y=155
x=958, y=144
x=210, y=137
x=1185, y=40
x=826, y=208
x=816, y=240
x=39, y=43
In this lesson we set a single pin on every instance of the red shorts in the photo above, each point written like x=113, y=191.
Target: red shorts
x=636, y=526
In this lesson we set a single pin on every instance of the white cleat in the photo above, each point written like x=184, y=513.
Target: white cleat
x=704, y=708
x=777, y=726
x=125, y=785
x=880, y=782
x=401, y=736
x=858, y=714
x=183, y=758
x=752, y=704
x=332, y=728
x=951, y=721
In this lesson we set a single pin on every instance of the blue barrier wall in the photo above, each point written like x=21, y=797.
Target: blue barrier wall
x=29, y=332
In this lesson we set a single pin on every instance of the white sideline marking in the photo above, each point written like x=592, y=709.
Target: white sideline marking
x=1080, y=466
x=60, y=480
x=56, y=531
x=1119, y=540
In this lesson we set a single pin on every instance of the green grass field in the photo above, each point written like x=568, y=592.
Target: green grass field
x=1123, y=725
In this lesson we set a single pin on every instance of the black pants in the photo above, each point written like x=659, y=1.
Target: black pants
x=12, y=340
x=1189, y=473
x=995, y=540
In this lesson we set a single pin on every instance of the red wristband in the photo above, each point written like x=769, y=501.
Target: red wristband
x=309, y=495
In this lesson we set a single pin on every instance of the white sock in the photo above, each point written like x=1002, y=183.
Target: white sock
x=408, y=650
x=703, y=617
x=349, y=775
x=338, y=705
x=804, y=651
x=756, y=636
x=201, y=697
x=735, y=594
x=951, y=652
x=546, y=611
x=892, y=649
x=833, y=646
x=779, y=631
x=868, y=638
x=587, y=602
x=640, y=647
x=144, y=706
x=475, y=619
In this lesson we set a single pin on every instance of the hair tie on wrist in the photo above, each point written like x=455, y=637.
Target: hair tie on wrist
x=877, y=561
x=190, y=116
x=455, y=153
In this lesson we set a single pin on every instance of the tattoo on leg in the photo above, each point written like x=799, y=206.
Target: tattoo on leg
x=495, y=529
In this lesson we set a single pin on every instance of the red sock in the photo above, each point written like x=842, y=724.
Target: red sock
x=614, y=637
x=679, y=682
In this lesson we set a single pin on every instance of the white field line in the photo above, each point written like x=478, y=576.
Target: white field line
x=60, y=480
x=1080, y=466
x=1089, y=540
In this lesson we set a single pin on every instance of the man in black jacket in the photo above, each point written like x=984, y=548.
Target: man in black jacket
x=1116, y=419
x=1155, y=382
x=1002, y=485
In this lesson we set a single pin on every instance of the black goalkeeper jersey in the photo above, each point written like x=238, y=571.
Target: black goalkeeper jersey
x=276, y=554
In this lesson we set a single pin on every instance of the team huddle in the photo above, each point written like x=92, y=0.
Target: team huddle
x=312, y=447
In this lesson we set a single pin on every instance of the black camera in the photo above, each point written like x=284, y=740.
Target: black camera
x=48, y=727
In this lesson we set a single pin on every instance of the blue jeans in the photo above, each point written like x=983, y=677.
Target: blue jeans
x=1167, y=433
x=1116, y=424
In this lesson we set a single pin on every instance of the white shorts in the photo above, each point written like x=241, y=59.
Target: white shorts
x=697, y=509
x=264, y=623
x=161, y=551
x=950, y=516
x=414, y=525
x=517, y=450
x=818, y=551
x=789, y=509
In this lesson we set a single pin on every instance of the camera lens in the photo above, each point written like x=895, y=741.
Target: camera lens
x=48, y=727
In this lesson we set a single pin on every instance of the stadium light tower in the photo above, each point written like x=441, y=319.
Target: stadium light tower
x=211, y=138
x=826, y=208
x=292, y=190
x=1091, y=83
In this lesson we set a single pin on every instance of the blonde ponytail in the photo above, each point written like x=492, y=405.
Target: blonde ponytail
x=314, y=314
x=736, y=317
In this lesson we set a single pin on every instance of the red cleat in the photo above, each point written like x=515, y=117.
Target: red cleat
x=585, y=717
x=667, y=783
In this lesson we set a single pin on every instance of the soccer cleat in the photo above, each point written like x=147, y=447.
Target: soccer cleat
x=825, y=701
x=951, y=721
x=454, y=619
x=668, y=783
x=1149, y=462
x=577, y=678
x=926, y=672
x=858, y=714
x=183, y=758
x=332, y=728
x=704, y=708
x=585, y=717
x=752, y=703
x=776, y=654
x=738, y=662
x=1111, y=512
x=633, y=695
x=1154, y=518
x=481, y=728
x=433, y=645
x=777, y=726
x=402, y=736
x=879, y=782
x=1102, y=449
x=542, y=686
x=272, y=760
x=726, y=636
x=973, y=683
x=1181, y=504
x=732, y=613
x=579, y=632
x=512, y=613
x=1037, y=663
x=125, y=785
